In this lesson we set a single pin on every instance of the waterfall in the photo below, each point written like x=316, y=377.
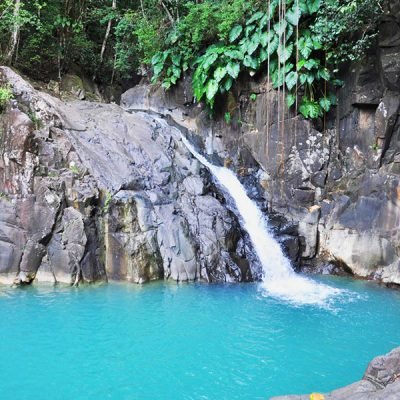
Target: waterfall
x=279, y=279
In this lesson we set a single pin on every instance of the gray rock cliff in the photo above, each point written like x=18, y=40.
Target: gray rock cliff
x=91, y=192
x=337, y=181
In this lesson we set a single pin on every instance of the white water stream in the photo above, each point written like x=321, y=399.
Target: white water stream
x=279, y=279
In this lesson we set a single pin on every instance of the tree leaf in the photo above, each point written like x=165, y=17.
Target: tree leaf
x=235, y=33
x=263, y=21
x=255, y=17
x=277, y=78
x=325, y=104
x=249, y=29
x=263, y=55
x=273, y=45
x=290, y=99
x=211, y=89
x=303, y=78
x=157, y=69
x=289, y=32
x=157, y=58
x=291, y=80
x=313, y=6
x=228, y=84
x=311, y=63
x=252, y=45
x=284, y=53
x=305, y=46
x=324, y=74
x=209, y=60
x=303, y=7
x=300, y=64
x=250, y=62
x=272, y=8
x=337, y=82
x=280, y=27
x=235, y=54
x=166, y=84
x=233, y=69
x=263, y=38
x=333, y=99
x=310, y=109
x=176, y=72
x=219, y=73
x=293, y=15
x=176, y=59
x=316, y=43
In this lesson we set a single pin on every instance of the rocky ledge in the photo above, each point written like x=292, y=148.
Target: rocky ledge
x=381, y=381
x=91, y=192
x=337, y=180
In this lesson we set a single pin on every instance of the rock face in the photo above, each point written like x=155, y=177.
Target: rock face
x=381, y=381
x=90, y=192
x=338, y=181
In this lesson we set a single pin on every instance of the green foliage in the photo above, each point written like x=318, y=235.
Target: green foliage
x=147, y=38
x=4, y=197
x=37, y=122
x=203, y=27
x=264, y=38
x=346, y=28
x=374, y=147
x=75, y=169
x=126, y=58
x=228, y=117
x=107, y=202
x=5, y=96
x=304, y=63
x=218, y=41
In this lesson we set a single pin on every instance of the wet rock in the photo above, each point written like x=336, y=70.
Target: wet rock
x=381, y=381
x=102, y=193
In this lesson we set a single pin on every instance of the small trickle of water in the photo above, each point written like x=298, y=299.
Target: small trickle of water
x=279, y=279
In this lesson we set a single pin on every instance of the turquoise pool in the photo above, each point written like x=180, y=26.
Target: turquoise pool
x=188, y=341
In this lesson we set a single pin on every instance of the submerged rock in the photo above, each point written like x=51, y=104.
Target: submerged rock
x=381, y=381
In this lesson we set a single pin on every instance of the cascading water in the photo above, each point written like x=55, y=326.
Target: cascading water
x=279, y=279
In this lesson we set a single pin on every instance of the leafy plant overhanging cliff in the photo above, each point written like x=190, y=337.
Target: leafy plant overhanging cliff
x=337, y=185
x=300, y=44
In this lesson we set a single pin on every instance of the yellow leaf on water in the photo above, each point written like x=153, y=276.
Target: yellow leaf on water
x=317, y=396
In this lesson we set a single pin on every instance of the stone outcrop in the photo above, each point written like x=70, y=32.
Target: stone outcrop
x=148, y=210
x=337, y=180
x=90, y=192
x=381, y=381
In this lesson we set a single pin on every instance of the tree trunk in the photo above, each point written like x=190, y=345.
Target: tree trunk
x=14, y=32
x=108, y=30
x=142, y=7
x=169, y=15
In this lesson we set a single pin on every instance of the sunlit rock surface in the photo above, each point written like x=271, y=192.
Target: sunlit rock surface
x=90, y=192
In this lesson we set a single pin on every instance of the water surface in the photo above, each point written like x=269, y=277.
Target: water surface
x=191, y=341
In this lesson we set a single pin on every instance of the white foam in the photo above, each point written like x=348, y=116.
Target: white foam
x=279, y=279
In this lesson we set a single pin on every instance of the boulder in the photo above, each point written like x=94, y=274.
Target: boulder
x=381, y=381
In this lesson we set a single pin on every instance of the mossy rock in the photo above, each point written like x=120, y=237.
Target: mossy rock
x=73, y=85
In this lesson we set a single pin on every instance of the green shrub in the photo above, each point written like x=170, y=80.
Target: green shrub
x=5, y=96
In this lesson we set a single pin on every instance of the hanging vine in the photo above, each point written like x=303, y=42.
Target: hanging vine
x=288, y=38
